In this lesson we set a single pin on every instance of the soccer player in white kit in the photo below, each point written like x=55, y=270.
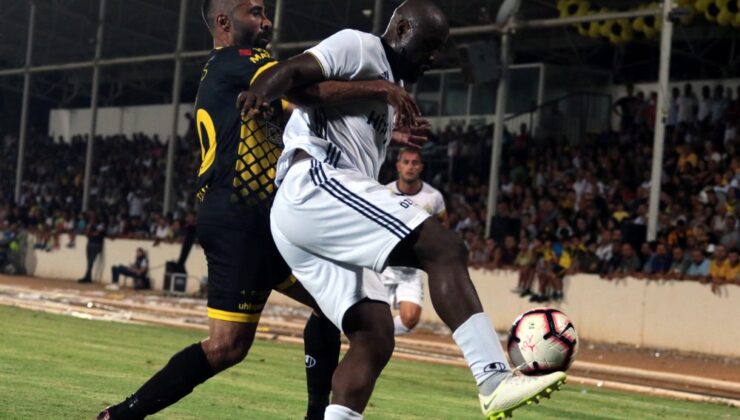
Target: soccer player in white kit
x=404, y=284
x=331, y=219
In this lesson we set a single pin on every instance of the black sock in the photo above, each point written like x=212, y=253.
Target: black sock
x=185, y=370
x=321, y=343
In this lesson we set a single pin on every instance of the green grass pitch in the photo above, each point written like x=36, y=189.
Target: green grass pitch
x=56, y=367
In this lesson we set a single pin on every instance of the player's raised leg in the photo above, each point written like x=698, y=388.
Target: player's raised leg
x=443, y=255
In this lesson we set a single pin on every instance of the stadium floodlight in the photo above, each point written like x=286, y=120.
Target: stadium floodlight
x=507, y=11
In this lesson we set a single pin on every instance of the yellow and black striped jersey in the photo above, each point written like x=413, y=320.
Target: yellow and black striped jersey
x=237, y=172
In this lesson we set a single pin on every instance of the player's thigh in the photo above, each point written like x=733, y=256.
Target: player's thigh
x=342, y=215
x=334, y=286
x=297, y=292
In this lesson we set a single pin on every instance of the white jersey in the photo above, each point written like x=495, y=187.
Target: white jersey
x=433, y=203
x=350, y=136
x=427, y=198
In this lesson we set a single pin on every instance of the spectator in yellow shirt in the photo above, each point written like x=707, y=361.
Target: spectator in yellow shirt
x=620, y=213
x=729, y=272
x=717, y=266
x=731, y=268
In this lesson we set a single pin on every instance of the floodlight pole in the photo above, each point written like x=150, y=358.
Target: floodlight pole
x=24, y=106
x=502, y=95
x=93, y=106
x=378, y=17
x=176, y=88
x=661, y=109
x=277, y=28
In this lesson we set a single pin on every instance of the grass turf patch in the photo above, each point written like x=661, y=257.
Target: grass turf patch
x=68, y=368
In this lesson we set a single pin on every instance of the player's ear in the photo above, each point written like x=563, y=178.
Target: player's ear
x=223, y=22
x=402, y=28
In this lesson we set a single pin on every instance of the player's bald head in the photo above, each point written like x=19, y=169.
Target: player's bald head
x=212, y=8
x=424, y=14
x=416, y=32
x=241, y=23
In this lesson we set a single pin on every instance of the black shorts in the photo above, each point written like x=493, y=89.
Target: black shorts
x=244, y=266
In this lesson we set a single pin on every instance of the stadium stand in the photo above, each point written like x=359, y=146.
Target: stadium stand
x=578, y=208
x=126, y=191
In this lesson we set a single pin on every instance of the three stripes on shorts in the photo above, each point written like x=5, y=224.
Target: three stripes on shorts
x=354, y=201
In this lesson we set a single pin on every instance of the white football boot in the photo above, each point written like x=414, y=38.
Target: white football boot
x=518, y=390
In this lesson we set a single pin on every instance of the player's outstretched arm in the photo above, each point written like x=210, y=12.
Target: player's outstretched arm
x=275, y=82
x=336, y=92
x=300, y=78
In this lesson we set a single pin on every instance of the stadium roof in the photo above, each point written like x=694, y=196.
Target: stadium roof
x=65, y=32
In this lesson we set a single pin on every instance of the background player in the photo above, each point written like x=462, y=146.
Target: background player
x=235, y=188
x=331, y=218
x=404, y=284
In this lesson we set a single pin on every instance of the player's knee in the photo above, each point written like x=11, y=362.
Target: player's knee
x=227, y=351
x=410, y=314
x=379, y=345
x=384, y=345
x=410, y=320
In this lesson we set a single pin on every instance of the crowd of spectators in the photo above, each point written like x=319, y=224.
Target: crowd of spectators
x=126, y=189
x=566, y=208
x=563, y=207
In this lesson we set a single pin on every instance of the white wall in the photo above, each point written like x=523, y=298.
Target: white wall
x=674, y=315
x=70, y=264
x=677, y=315
x=148, y=119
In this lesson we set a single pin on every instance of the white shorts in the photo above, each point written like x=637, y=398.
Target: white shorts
x=403, y=285
x=330, y=223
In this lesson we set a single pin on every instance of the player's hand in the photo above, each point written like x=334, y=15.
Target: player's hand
x=252, y=104
x=407, y=112
x=414, y=136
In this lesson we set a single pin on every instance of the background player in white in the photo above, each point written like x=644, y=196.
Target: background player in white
x=331, y=218
x=404, y=284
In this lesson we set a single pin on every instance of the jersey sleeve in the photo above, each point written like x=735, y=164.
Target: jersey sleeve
x=439, y=205
x=340, y=55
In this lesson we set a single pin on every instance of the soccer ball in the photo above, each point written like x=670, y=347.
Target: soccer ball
x=542, y=341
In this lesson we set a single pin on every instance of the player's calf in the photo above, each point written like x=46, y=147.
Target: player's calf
x=369, y=328
x=184, y=371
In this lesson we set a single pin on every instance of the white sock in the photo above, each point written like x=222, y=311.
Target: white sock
x=481, y=347
x=400, y=329
x=340, y=412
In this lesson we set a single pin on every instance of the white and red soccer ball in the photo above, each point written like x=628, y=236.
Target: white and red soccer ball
x=542, y=341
